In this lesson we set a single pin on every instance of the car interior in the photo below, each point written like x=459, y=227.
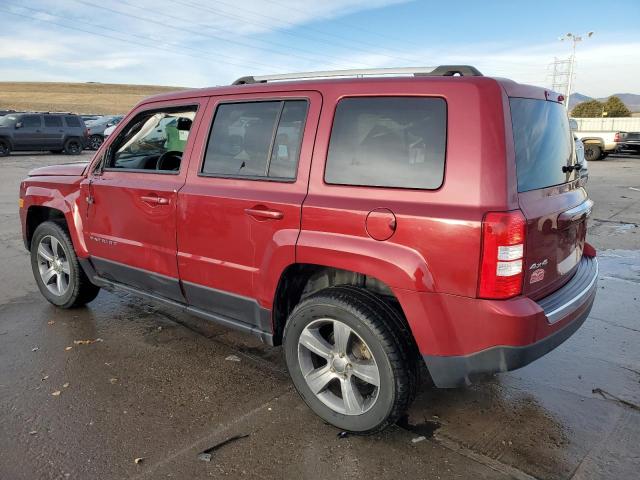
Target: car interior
x=153, y=141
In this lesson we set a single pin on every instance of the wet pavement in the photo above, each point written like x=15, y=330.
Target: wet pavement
x=161, y=386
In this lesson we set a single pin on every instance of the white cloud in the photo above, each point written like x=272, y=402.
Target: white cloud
x=19, y=48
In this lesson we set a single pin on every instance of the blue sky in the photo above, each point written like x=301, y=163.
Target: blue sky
x=200, y=42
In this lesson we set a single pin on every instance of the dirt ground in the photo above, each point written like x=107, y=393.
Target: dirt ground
x=165, y=387
x=99, y=98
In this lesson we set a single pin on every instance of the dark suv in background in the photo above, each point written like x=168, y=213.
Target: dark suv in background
x=57, y=132
x=96, y=128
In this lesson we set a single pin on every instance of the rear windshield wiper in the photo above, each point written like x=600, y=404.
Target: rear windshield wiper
x=571, y=168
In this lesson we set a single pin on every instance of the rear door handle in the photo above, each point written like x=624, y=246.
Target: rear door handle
x=154, y=200
x=260, y=212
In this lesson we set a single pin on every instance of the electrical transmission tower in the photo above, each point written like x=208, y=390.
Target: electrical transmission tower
x=561, y=73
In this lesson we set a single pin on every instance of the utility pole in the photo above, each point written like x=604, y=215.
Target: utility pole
x=575, y=39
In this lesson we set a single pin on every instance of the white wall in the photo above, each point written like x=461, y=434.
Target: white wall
x=626, y=124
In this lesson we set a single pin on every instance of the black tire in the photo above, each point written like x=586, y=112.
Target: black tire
x=5, y=148
x=603, y=155
x=379, y=326
x=592, y=152
x=95, y=141
x=80, y=290
x=73, y=146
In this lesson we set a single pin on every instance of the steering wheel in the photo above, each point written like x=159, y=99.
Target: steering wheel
x=169, y=161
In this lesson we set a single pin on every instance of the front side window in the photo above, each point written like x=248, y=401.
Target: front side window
x=153, y=141
x=52, y=121
x=256, y=139
x=388, y=142
x=31, y=121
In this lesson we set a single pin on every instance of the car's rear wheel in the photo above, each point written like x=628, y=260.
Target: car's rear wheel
x=73, y=147
x=348, y=360
x=56, y=269
x=5, y=148
x=95, y=141
x=592, y=152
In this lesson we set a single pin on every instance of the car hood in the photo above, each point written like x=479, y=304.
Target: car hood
x=66, y=170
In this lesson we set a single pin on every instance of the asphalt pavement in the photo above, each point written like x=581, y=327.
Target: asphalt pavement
x=127, y=389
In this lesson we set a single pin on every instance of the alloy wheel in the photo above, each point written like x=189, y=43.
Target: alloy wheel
x=53, y=265
x=338, y=367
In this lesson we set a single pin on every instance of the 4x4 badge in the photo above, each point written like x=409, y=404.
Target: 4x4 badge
x=539, y=264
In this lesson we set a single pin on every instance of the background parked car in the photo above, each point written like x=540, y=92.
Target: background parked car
x=97, y=127
x=630, y=143
x=109, y=130
x=597, y=145
x=90, y=118
x=58, y=132
x=579, y=146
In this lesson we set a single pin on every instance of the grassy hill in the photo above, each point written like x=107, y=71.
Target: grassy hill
x=102, y=98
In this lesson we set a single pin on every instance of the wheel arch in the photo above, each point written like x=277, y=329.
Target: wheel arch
x=301, y=280
x=38, y=214
x=7, y=139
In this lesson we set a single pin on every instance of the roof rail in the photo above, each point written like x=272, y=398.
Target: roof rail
x=441, y=71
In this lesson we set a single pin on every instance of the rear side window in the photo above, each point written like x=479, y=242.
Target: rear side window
x=72, y=121
x=52, y=121
x=31, y=121
x=388, y=142
x=543, y=143
x=256, y=139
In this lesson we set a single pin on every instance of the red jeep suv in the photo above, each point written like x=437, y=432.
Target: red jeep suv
x=370, y=224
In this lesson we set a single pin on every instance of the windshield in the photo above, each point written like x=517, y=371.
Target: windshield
x=543, y=143
x=7, y=121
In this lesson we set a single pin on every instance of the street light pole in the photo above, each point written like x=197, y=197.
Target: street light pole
x=575, y=39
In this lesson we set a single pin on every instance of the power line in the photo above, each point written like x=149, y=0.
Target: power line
x=337, y=20
x=277, y=44
x=129, y=41
x=293, y=25
x=182, y=29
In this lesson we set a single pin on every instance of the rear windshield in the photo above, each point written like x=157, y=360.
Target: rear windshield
x=543, y=143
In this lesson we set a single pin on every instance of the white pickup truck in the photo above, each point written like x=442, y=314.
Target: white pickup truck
x=597, y=145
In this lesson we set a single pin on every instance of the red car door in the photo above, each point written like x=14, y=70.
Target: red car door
x=239, y=212
x=131, y=224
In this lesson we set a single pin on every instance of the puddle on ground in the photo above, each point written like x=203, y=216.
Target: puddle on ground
x=425, y=429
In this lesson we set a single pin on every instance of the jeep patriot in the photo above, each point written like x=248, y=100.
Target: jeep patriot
x=371, y=224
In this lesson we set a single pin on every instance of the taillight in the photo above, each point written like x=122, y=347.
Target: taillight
x=616, y=137
x=501, y=263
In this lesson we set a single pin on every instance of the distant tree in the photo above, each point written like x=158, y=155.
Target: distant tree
x=590, y=108
x=616, y=108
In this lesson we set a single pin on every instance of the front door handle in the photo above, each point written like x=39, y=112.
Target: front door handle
x=260, y=212
x=154, y=200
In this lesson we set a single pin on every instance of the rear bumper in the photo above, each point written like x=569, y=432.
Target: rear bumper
x=562, y=313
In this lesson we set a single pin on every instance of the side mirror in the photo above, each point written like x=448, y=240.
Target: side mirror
x=573, y=125
x=19, y=124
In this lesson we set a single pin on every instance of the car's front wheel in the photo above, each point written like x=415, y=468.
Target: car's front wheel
x=95, y=141
x=56, y=269
x=349, y=360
